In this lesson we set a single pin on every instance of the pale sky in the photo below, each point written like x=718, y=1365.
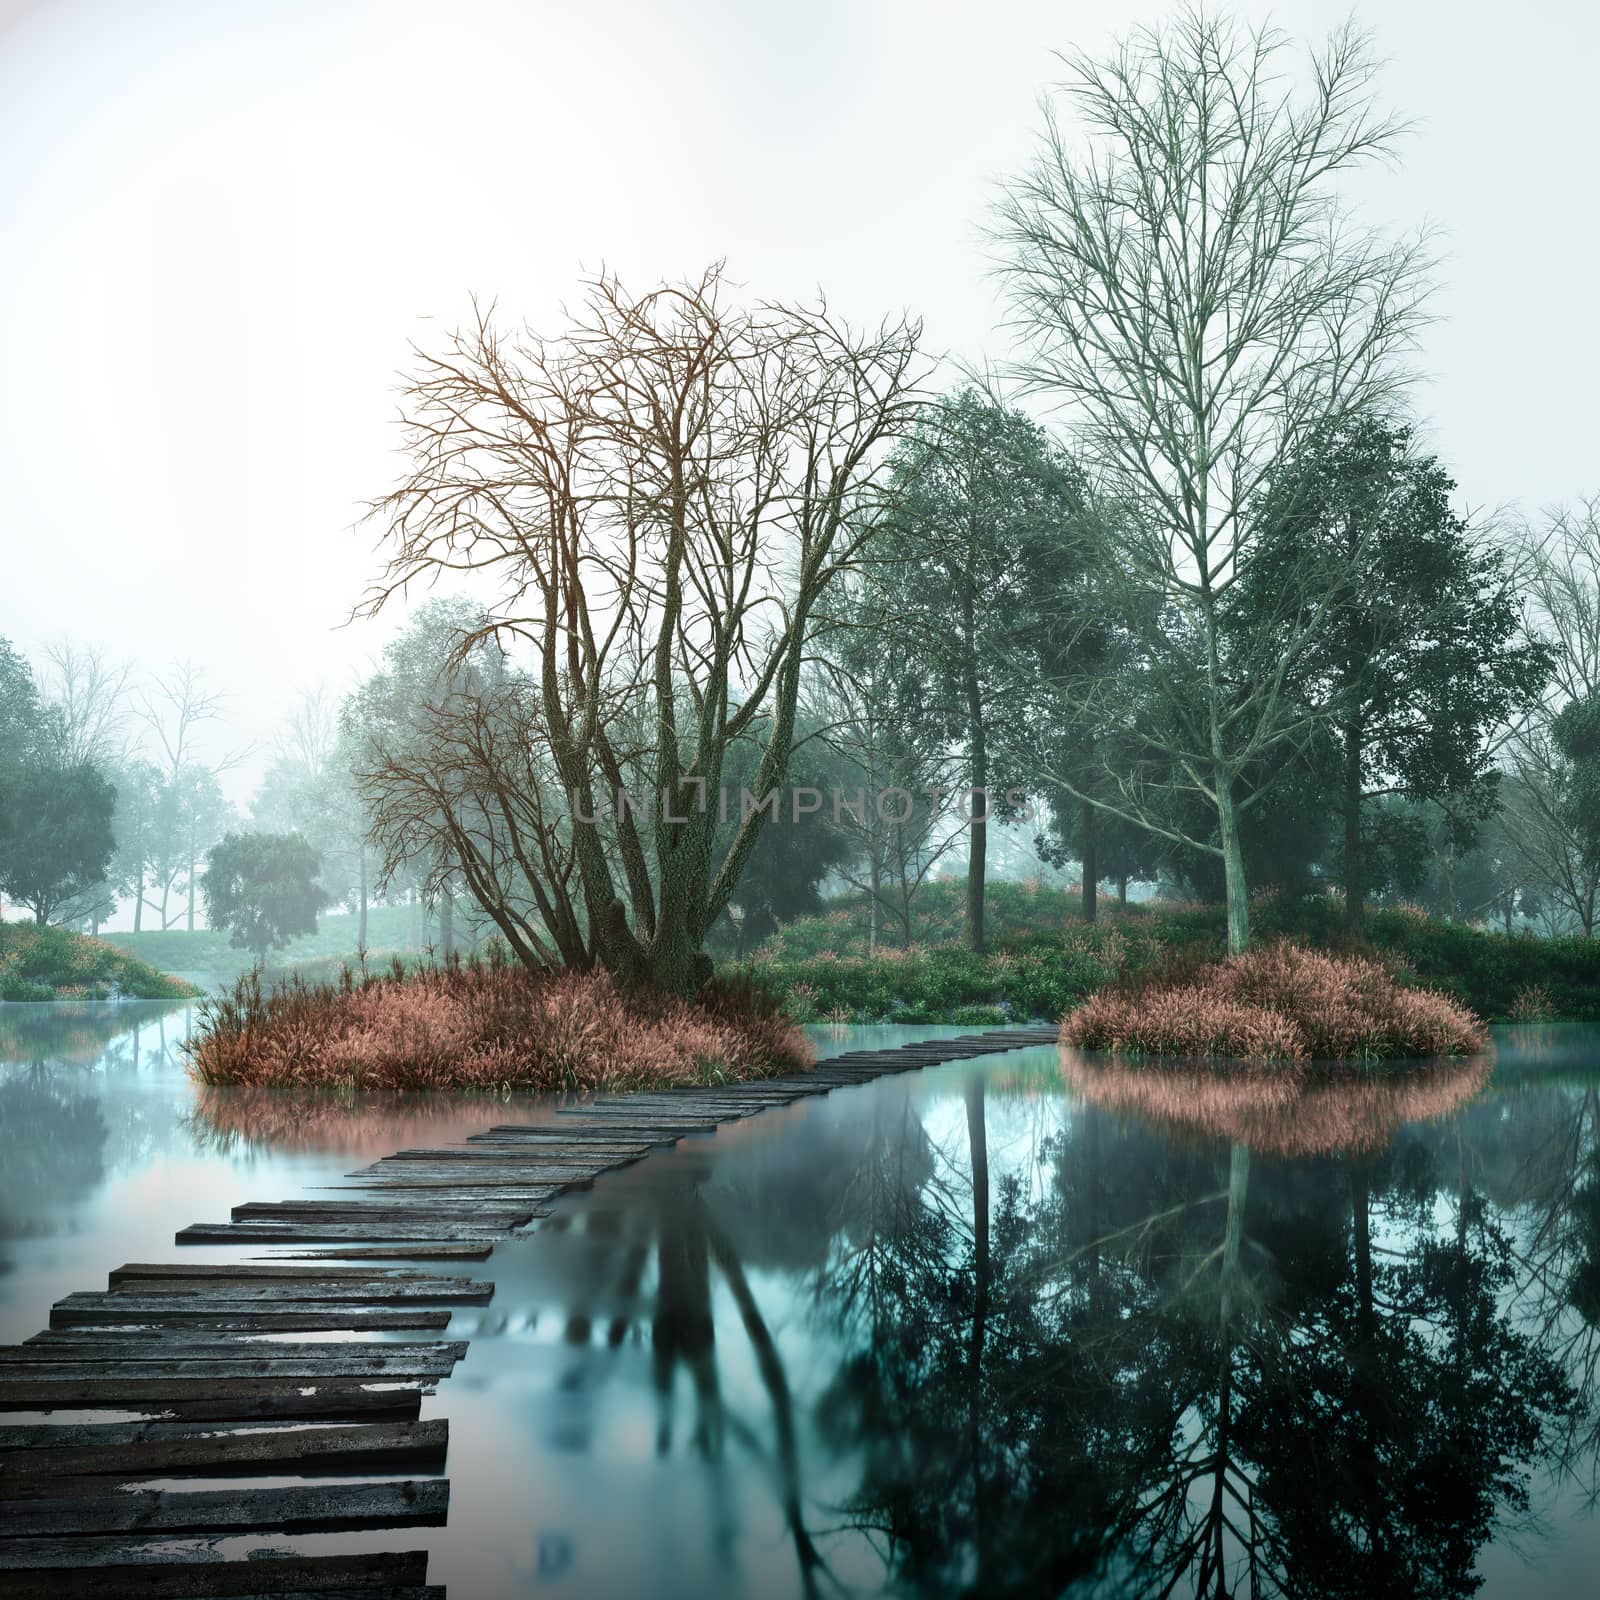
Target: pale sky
x=221, y=223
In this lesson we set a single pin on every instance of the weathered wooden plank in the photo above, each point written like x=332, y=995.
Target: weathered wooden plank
x=567, y=1132
x=302, y=1509
x=658, y=1134
x=163, y=1568
x=122, y=1450
x=305, y=1316
x=413, y=1252
x=740, y=1093
x=644, y=1118
x=233, y=1366
x=517, y=1148
x=701, y=1105
x=216, y=1397
x=497, y=1212
x=554, y=1132
x=73, y=1586
x=419, y=1291
x=308, y=1404
x=398, y=1231
x=467, y=1194
x=414, y=1174
x=88, y=1344
x=133, y=1271
x=525, y=1163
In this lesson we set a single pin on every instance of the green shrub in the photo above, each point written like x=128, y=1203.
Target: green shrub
x=13, y=986
x=55, y=963
x=1045, y=958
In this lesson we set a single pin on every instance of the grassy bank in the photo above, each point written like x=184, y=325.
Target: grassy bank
x=53, y=964
x=487, y=1026
x=1045, y=959
x=389, y=929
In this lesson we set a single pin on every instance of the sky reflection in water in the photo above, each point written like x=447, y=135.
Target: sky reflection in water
x=1020, y=1326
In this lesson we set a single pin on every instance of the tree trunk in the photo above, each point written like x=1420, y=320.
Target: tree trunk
x=1355, y=883
x=1091, y=865
x=1122, y=891
x=875, y=892
x=1451, y=898
x=361, y=919
x=670, y=963
x=138, y=900
x=191, y=875
x=447, y=922
x=978, y=755
x=979, y=842
x=1233, y=868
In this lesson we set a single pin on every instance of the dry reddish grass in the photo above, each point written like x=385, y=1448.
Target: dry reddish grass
x=1293, y=1112
x=486, y=1028
x=1281, y=1002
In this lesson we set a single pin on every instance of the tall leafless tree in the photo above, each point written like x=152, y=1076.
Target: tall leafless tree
x=90, y=699
x=191, y=811
x=1184, y=280
x=662, y=495
x=1560, y=566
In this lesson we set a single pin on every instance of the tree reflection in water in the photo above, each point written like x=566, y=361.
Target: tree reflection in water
x=1213, y=1347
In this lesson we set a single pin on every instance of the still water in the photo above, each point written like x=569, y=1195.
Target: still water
x=1016, y=1326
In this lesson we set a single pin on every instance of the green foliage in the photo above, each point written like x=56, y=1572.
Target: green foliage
x=55, y=834
x=1576, y=734
x=263, y=888
x=949, y=983
x=13, y=986
x=783, y=876
x=1048, y=959
x=53, y=963
x=1427, y=655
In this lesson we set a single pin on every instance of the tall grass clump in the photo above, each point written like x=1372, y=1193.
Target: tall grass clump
x=486, y=1026
x=1277, y=1003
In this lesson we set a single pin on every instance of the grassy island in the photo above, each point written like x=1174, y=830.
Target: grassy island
x=54, y=964
x=1279, y=1003
x=487, y=1026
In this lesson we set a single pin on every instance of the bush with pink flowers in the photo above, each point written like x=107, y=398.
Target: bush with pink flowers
x=1280, y=1002
x=487, y=1027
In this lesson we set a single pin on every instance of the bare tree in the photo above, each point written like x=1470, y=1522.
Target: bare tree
x=90, y=697
x=663, y=495
x=190, y=813
x=1560, y=567
x=1563, y=587
x=1184, y=280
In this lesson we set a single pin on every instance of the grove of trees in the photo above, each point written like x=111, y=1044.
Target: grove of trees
x=1183, y=593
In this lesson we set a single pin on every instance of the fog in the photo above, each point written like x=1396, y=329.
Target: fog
x=220, y=228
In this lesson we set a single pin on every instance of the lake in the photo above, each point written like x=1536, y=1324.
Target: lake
x=1016, y=1325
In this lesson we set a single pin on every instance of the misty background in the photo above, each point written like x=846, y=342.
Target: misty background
x=220, y=227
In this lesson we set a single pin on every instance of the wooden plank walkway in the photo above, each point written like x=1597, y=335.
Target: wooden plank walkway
x=199, y=1350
